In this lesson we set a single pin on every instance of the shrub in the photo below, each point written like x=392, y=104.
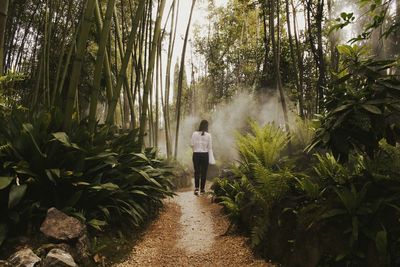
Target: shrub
x=325, y=212
x=103, y=179
x=262, y=179
x=362, y=202
x=362, y=106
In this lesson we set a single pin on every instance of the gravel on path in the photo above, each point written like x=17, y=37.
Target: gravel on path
x=189, y=232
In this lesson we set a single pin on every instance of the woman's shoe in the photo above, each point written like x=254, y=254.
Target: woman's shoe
x=196, y=191
x=202, y=192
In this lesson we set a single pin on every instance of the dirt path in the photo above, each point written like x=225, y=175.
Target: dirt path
x=189, y=233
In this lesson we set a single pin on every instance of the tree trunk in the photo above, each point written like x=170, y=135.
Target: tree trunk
x=299, y=54
x=317, y=51
x=266, y=41
x=294, y=61
x=278, y=72
x=3, y=20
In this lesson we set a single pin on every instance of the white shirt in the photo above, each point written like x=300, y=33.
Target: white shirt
x=203, y=143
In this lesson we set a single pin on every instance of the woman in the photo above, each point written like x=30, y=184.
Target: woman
x=202, y=155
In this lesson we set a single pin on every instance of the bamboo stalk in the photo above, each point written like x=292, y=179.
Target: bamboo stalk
x=126, y=86
x=106, y=63
x=174, y=23
x=3, y=19
x=77, y=65
x=61, y=57
x=101, y=54
x=150, y=69
x=125, y=61
x=180, y=81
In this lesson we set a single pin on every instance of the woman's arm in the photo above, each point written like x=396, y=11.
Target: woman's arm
x=192, y=141
x=211, y=158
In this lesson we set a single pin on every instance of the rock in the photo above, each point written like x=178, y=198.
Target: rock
x=5, y=264
x=24, y=258
x=82, y=254
x=59, y=258
x=62, y=227
x=45, y=248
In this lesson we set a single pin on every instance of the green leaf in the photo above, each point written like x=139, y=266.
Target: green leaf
x=139, y=192
x=354, y=231
x=333, y=213
x=23, y=167
x=381, y=242
x=371, y=108
x=74, y=199
x=52, y=174
x=29, y=129
x=17, y=192
x=147, y=177
x=344, y=49
x=5, y=181
x=390, y=85
x=81, y=183
x=3, y=232
x=142, y=156
x=340, y=257
x=63, y=138
x=97, y=224
x=106, y=186
x=341, y=108
x=102, y=155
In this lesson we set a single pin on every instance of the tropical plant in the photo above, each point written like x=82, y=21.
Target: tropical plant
x=103, y=179
x=362, y=105
x=361, y=205
x=263, y=178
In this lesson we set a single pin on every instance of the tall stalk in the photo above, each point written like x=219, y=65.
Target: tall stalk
x=3, y=20
x=150, y=70
x=125, y=61
x=61, y=56
x=180, y=81
x=120, y=48
x=172, y=38
x=77, y=65
x=278, y=72
x=106, y=63
x=47, y=42
x=299, y=54
x=294, y=61
x=101, y=53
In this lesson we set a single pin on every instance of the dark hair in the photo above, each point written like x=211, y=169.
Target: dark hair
x=203, y=126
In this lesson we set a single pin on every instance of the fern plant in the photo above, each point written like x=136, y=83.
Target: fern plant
x=262, y=145
x=263, y=178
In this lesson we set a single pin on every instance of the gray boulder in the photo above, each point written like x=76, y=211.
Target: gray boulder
x=59, y=258
x=61, y=227
x=24, y=258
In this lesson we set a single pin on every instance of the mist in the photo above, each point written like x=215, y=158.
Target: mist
x=226, y=121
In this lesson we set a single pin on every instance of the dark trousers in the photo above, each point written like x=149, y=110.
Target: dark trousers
x=200, y=163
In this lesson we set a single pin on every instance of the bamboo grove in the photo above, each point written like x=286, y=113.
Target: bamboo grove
x=92, y=61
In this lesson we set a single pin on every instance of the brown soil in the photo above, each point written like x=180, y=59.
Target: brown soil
x=189, y=232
